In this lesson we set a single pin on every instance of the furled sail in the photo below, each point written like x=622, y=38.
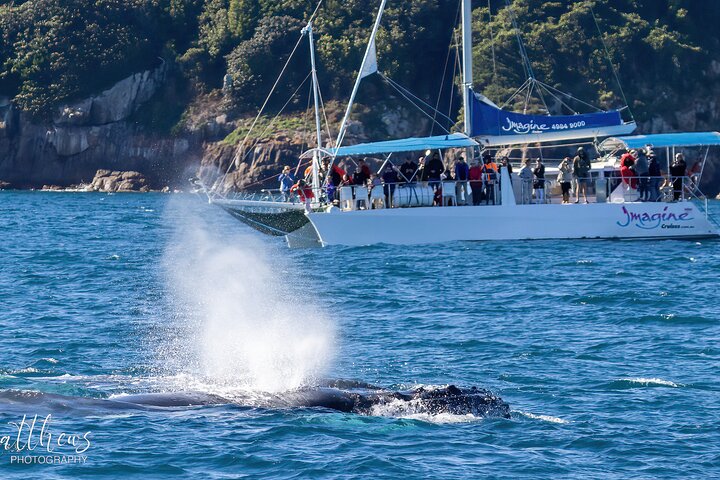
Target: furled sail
x=493, y=126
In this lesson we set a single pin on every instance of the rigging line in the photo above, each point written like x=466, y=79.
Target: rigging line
x=456, y=72
x=542, y=97
x=447, y=61
x=389, y=82
x=515, y=94
x=327, y=124
x=307, y=116
x=416, y=97
x=612, y=65
x=492, y=41
x=267, y=99
x=272, y=90
x=531, y=87
x=269, y=125
x=542, y=86
x=564, y=94
x=523, y=52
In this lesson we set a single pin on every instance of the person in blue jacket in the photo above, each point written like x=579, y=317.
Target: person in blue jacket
x=286, y=182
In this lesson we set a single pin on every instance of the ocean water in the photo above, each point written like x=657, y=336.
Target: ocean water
x=606, y=351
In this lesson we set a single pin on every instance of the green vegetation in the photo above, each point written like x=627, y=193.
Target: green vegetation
x=54, y=51
x=267, y=127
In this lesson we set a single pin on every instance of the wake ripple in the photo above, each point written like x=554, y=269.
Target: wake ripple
x=645, y=382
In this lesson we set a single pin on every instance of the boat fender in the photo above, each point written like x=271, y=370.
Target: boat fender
x=333, y=209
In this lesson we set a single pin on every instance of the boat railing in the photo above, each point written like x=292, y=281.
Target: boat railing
x=607, y=189
x=650, y=189
x=264, y=195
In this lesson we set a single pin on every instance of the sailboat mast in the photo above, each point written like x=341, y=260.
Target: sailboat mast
x=467, y=80
x=316, y=95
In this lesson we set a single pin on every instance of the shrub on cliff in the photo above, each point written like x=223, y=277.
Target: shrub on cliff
x=61, y=49
x=255, y=63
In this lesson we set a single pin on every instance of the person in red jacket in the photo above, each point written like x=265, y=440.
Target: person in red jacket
x=475, y=175
x=627, y=172
x=304, y=192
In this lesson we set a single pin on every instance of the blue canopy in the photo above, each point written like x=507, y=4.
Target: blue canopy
x=453, y=140
x=661, y=140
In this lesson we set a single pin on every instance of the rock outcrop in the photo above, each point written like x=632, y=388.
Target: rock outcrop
x=91, y=134
x=116, y=181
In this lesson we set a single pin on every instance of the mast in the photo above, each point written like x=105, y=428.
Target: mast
x=467, y=79
x=315, y=159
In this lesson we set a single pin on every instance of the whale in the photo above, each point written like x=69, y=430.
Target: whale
x=334, y=396
x=448, y=399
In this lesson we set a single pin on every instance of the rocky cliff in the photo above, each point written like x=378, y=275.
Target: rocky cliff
x=91, y=134
x=98, y=133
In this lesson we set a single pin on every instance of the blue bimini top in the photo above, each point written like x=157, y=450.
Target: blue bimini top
x=661, y=140
x=439, y=142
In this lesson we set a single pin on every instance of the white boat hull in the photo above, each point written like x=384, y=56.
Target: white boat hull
x=408, y=226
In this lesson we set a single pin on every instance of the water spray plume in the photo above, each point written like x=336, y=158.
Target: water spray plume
x=253, y=327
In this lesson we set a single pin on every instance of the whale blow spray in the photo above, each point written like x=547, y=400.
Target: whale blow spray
x=251, y=324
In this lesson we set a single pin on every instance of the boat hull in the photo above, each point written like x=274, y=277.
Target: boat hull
x=271, y=218
x=408, y=226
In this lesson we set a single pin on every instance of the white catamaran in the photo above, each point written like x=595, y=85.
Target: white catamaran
x=407, y=215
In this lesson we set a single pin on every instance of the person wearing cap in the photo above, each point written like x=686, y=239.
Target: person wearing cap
x=286, y=182
x=678, y=171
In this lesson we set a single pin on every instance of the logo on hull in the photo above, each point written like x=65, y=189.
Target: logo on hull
x=652, y=221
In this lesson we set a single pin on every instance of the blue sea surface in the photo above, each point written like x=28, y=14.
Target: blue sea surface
x=606, y=351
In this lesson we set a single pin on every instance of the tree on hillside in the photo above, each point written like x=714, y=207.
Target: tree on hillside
x=62, y=49
x=242, y=18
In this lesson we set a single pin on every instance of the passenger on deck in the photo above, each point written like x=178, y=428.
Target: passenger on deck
x=526, y=179
x=346, y=181
x=433, y=171
x=408, y=169
x=360, y=177
x=462, y=172
x=581, y=171
x=286, y=182
x=505, y=163
x=390, y=180
x=490, y=174
x=629, y=177
x=539, y=183
x=330, y=189
x=364, y=167
x=565, y=178
x=655, y=177
x=475, y=176
x=374, y=181
x=694, y=173
x=336, y=173
x=641, y=168
x=304, y=192
x=678, y=170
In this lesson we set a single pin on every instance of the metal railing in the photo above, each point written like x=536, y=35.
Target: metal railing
x=613, y=189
